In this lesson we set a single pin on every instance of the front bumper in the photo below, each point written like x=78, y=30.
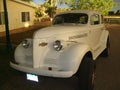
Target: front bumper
x=41, y=71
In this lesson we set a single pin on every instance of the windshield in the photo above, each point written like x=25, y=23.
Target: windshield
x=77, y=18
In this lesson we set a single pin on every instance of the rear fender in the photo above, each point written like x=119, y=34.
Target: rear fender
x=104, y=38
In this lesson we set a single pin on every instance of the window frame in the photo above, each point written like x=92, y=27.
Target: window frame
x=25, y=16
x=102, y=19
x=2, y=18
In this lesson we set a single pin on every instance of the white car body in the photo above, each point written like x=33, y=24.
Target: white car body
x=41, y=58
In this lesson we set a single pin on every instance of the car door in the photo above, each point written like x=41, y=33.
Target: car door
x=95, y=31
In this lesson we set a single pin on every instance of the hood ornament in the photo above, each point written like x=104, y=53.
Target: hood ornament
x=43, y=44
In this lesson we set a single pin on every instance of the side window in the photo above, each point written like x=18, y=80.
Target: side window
x=95, y=19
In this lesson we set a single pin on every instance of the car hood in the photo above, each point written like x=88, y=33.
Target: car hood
x=58, y=30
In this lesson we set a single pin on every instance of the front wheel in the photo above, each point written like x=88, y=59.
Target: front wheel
x=86, y=74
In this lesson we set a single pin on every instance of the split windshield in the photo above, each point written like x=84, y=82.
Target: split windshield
x=77, y=18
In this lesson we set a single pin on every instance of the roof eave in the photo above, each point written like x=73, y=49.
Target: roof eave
x=24, y=3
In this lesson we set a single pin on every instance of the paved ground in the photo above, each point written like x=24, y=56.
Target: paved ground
x=108, y=69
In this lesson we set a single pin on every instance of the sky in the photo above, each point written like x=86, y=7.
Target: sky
x=65, y=6
x=38, y=1
x=59, y=6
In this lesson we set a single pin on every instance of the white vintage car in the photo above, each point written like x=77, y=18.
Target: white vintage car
x=68, y=47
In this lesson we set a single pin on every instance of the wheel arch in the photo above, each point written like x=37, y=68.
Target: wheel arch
x=87, y=54
x=72, y=57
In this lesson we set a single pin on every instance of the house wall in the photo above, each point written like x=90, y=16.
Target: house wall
x=2, y=27
x=14, y=11
x=14, y=14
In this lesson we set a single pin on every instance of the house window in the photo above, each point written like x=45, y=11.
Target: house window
x=2, y=20
x=25, y=16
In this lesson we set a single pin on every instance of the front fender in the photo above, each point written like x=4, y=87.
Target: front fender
x=72, y=56
x=22, y=54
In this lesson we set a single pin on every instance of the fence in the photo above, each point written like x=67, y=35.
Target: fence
x=112, y=19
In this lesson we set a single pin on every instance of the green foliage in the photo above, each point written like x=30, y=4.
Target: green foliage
x=51, y=11
x=50, y=8
x=39, y=12
x=102, y=6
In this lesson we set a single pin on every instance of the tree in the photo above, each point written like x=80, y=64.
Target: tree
x=39, y=12
x=102, y=6
x=51, y=6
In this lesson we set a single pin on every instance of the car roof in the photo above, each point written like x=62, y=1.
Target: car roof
x=80, y=11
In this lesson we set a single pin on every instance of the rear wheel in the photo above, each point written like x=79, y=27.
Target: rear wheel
x=86, y=74
x=105, y=53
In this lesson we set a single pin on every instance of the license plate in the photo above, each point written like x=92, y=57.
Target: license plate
x=32, y=77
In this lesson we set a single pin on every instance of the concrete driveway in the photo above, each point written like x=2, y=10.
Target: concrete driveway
x=107, y=71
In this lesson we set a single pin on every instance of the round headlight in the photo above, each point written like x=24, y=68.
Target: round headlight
x=25, y=43
x=57, y=45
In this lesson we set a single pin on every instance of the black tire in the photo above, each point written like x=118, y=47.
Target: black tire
x=86, y=74
x=105, y=53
